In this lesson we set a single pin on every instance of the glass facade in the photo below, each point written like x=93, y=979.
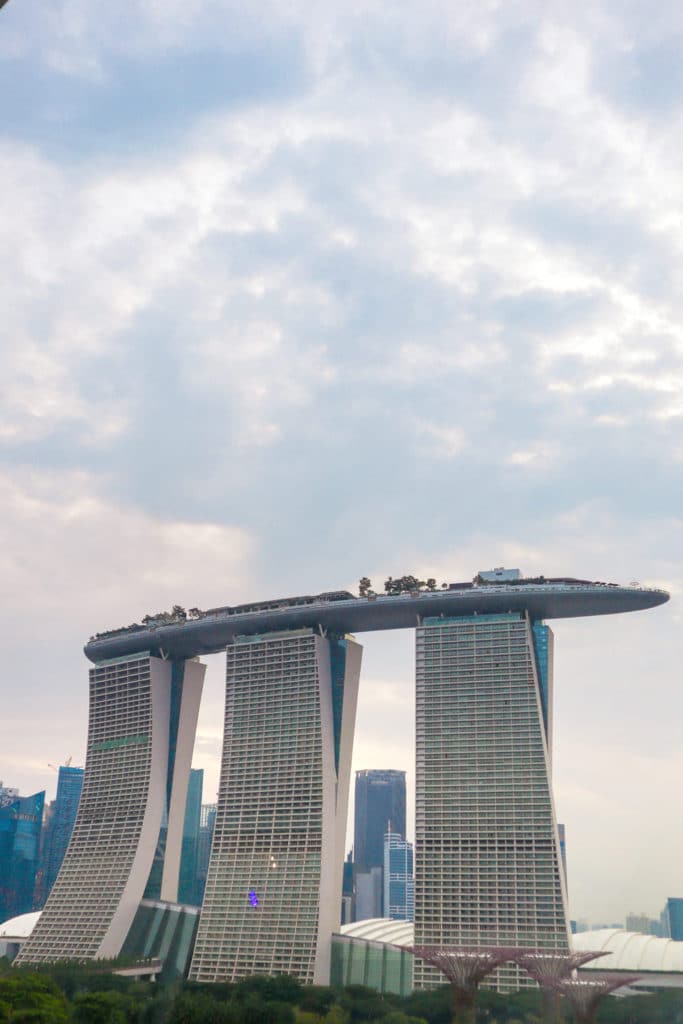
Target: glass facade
x=206, y=827
x=163, y=931
x=376, y=965
x=189, y=889
x=674, y=918
x=21, y=821
x=62, y=820
x=399, y=883
x=379, y=807
x=488, y=868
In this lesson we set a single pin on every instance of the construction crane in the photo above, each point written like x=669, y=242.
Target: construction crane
x=56, y=767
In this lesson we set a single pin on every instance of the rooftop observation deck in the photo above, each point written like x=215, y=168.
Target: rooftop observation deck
x=342, y=613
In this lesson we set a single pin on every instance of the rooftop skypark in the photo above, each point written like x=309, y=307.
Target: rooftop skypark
x=405, y=603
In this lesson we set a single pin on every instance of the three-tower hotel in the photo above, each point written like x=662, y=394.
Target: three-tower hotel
x=488, y=868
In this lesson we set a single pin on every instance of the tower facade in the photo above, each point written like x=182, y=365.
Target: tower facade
x=21, y=819
x=143, y=714
x=488, y=865
x=62, y=820
x=188, y=887
x=399, y=882
x=379, y=807
x=273, y=891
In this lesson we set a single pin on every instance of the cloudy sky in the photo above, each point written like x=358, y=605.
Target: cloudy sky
x=322, y=290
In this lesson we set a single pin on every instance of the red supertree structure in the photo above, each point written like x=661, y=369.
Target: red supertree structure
x=465, y=967
x=548, y=967
x=585, y=994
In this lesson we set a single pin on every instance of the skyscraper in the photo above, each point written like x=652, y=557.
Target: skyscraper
x=487, y=841
x=273, y=892
x=399, y=882
x=21, y=820
x=188, y=886
x=672, y=918
x=207, y=822
x=488, y=865
x=380, y=807
x=143, y=715
x=62, y=819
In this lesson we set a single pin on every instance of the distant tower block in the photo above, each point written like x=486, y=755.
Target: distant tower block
x=488, y=867
x=273, y=891
x=143, y=715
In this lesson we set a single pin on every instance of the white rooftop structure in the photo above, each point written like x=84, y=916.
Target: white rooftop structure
x=659, y=962
x=634, y=953
x=19, y=927
x=380, y=929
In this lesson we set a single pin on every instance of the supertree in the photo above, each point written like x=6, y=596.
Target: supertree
x=585, y=994
x=548, y=967
x=465, y=967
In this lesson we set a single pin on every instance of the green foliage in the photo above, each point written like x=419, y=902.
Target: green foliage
x=100, y=1008
x=279, y=988
x=434, y=1006
x=396, y=1017
x=97, y=997
x=336, y=1015
x=201, y=1008
x=316, y=999
x=34, y=998
x=306, y=1017
x=362, y=1004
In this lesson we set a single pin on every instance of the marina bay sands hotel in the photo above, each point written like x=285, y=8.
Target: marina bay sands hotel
x=488, y=869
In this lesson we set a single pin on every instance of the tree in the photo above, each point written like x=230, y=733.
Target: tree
x=364, y=586
x=100, y=1008
x=431, y=583
x=336, y=1015
x=32, y=997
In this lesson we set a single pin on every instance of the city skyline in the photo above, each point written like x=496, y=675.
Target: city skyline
x=302, y=295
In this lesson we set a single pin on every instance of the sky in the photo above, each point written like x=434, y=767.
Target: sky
x=295, y=293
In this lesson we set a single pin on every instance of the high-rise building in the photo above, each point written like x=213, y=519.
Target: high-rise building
x=399, y=883
x=347, y=890
x=562, y=834
x=367, y=889
x=188, y=886
x=487, y=846
x=273, y=892
x=143, y=716
x=488, y=864
x=61, y=823
x=207, y=822
x=380, y=807
x=672, y=918
x=21, y=820
x=7, y=795
x=642, y=923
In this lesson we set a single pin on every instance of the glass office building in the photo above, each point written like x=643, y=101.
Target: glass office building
x=189, y=888
x=21, y=820
x=488, y=864
x=673, y=918
x=399, y=883
x=61, y=825
x=379, y=807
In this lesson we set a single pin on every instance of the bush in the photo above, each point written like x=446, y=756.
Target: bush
x=100, y=1008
